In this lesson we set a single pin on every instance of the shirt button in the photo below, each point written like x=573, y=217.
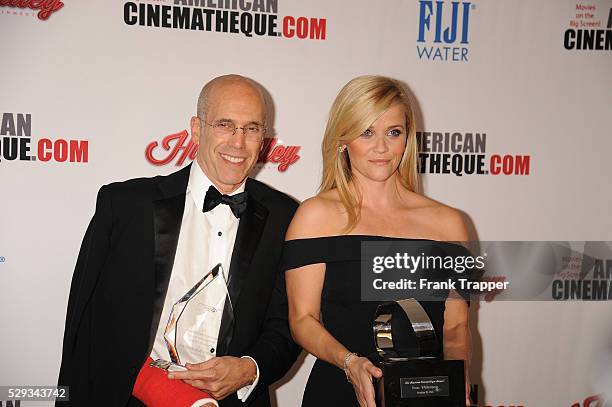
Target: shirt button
x=219, y=233
x=212, y=350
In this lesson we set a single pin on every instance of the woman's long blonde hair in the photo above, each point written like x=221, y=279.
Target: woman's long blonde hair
x=359, y=104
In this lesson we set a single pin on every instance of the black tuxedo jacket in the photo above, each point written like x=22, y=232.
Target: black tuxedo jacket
x=122, y=274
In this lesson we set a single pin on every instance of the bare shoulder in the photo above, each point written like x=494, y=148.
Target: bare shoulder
x=452, y=224
x=448, y=223
x=321, y=215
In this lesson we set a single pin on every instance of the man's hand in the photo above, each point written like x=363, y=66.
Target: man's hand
x=220, y=376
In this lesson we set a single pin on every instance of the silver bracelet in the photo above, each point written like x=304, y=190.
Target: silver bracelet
x=347, y=359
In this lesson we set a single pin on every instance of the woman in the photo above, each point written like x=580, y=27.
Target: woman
x=368, y=192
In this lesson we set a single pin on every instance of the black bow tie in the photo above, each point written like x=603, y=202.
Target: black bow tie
x=237, y=203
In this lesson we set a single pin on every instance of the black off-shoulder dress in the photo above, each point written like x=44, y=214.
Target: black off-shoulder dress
x=343, y=313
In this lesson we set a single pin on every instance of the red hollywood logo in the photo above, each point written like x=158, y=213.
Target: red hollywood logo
x=180, y=147
x=592, y=401
x=45, y=7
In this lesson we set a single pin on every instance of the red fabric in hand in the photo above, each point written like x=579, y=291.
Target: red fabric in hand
x=154, y=389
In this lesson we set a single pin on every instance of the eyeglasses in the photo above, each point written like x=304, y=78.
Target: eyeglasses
x=253, y=132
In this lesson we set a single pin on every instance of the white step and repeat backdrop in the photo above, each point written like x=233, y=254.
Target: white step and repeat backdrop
x=98, y=91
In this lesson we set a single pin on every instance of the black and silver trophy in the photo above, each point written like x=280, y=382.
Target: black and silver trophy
x=413, y=373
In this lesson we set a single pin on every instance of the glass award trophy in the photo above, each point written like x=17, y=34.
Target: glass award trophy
x=413, y=374
x=192, y=320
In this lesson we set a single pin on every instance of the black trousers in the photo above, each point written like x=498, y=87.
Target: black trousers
x=134, y=402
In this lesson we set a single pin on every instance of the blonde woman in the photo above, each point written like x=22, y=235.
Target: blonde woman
x=368, y=192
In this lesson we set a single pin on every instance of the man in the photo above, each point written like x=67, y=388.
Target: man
x=152, y=239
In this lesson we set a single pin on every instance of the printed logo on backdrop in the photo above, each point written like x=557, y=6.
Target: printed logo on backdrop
x=466, y=154
x=178, y=148
x=250, y=18
x=39, y=8
x=590, y=28
x=584, y=277
x=592, y=401
x=444, y=30
x=16, y=143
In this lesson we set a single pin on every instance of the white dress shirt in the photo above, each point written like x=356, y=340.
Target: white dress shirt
x=205, y=240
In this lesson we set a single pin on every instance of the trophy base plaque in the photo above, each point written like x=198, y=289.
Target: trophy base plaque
x=421, y=382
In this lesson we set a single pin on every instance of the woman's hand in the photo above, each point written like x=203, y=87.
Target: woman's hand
x=361, y=371
x=468, y=402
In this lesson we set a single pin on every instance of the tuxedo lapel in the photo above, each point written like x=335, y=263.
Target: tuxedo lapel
x=249, y=233
x=167, y=218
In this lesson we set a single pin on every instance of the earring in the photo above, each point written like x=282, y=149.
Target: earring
x=341, y=148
